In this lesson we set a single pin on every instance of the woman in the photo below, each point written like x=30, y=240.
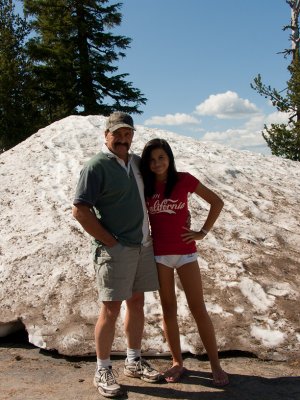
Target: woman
x=166, y=192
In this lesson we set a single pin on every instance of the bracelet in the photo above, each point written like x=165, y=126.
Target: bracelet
x=204, y=231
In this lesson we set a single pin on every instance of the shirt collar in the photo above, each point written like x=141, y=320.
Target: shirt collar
x=110, y=154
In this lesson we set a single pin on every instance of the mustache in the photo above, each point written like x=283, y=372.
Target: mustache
x=122, y=144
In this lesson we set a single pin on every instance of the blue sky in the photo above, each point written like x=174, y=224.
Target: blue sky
x=194, y=61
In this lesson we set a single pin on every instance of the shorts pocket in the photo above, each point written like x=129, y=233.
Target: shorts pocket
x=114, y=251
x=105, y=252
x=105, y=261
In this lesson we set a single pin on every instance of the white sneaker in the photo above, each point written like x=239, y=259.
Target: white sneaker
x=105, y=382
x=139, y=368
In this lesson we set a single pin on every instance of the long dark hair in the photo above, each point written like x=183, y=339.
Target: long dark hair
x=149, y=176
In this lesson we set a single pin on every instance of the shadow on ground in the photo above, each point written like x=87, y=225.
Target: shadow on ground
x=27, y=372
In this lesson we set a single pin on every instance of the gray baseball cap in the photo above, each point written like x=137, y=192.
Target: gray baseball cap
x=118, y=120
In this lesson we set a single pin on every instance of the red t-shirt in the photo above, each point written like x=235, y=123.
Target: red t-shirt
x=169, y=216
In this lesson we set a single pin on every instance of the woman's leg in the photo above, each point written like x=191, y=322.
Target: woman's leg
x=191, y=281
x=169, y=307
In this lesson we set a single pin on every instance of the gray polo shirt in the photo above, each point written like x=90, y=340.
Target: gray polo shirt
x=111, y=188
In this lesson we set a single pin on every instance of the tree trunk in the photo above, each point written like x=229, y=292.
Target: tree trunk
x=85, y=77
x=295, y=9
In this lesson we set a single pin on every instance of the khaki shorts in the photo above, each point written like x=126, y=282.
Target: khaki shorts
x=121, y=271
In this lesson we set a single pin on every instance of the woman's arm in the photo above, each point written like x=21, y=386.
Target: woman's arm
x=216, y=205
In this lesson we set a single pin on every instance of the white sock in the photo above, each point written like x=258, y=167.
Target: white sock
x=132, y=354
x=103, y=363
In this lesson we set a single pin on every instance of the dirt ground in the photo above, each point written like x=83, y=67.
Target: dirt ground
x=28, y=373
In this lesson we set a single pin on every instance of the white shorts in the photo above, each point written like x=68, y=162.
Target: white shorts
x=176, y=260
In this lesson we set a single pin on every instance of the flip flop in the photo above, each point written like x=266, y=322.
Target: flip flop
x=220, y=379
x=174, y=374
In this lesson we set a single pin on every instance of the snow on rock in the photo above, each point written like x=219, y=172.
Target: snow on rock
x=249, y=261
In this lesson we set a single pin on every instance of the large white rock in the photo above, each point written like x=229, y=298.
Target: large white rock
x=250, y=261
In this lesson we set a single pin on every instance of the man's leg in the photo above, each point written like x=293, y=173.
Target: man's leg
x=104, y=335
x=105, y=328
x=135, y=365
x=134, y=320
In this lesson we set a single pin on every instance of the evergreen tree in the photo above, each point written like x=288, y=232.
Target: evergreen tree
x=16, y=111
x=75, y=58
x=52, y=55
x=284, y=139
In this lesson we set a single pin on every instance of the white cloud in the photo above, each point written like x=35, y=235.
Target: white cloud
x=257, y=122
x=226, y=106
x=172, y=119
x=239, y=138
x=277, y=118
x=247, y=136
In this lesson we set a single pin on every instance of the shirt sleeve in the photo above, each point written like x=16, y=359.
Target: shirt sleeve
x=191, y=182
x=88, y=187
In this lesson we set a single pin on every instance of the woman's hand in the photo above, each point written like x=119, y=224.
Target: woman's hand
x=191, y=236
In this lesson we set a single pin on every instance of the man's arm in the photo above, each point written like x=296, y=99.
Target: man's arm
x=90, y=223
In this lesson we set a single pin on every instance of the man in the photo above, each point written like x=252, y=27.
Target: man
x=109, y=204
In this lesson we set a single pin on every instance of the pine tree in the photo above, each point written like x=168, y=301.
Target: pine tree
x=51, y=52
x=15, y=104
x=75, y=57
x=284, y=139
